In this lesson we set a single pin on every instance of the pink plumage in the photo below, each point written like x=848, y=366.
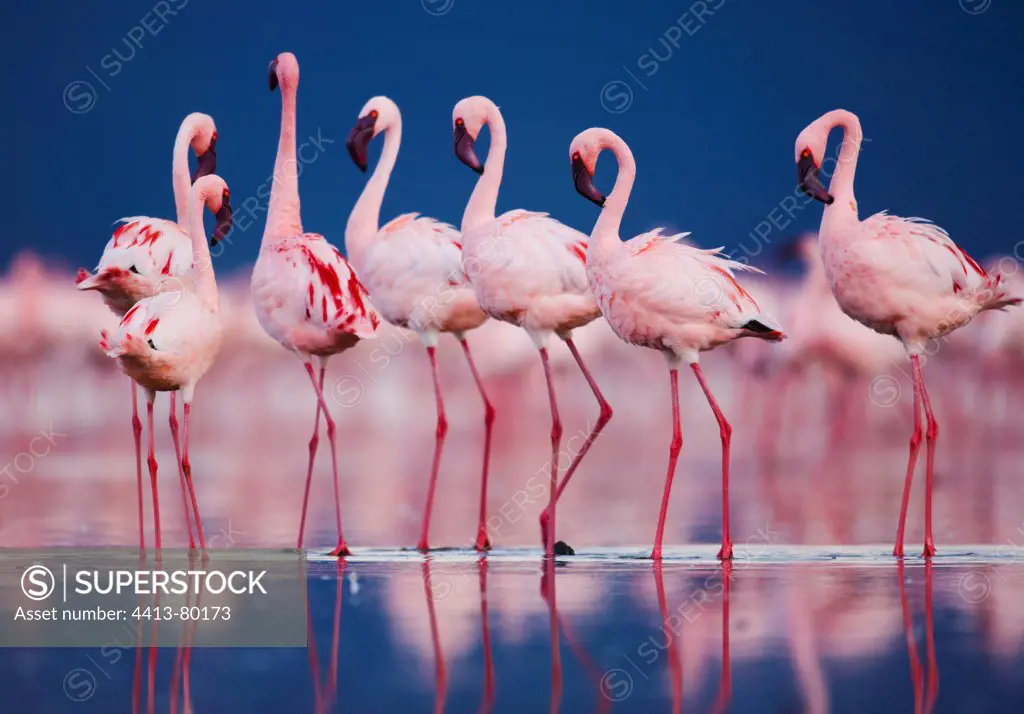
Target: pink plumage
x=903, y=277
x=657, y=291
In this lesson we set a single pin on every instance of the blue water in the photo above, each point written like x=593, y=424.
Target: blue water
x=812, y=630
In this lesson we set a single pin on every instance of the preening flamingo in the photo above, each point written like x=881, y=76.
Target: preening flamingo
x=412, y=268
x=657, y=292
x=146, y=256
x=306, y=295
x=167, y=342
x=903, y=277
x=528, y=270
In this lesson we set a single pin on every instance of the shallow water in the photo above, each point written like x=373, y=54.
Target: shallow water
x=781, y=629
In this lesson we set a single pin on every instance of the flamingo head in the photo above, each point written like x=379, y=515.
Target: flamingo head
x=376, y=115
x=213, y=191
x=283, y=72
x=468, y=118
x=204, y=144
x=583, y=153
x=810, y=151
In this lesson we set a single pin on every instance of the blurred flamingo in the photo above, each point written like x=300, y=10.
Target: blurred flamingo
x=146, y=256
x=903, y=277
x=413, y=271
x=656, y=292
x=167, y=342
x=528, y=270
x=305, y=294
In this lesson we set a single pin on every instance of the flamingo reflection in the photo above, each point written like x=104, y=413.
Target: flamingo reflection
x=440, y=670
x=489, y=686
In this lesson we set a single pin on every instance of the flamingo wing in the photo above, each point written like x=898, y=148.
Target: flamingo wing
x=154, y=247
x=333, y=297
x=552, y=255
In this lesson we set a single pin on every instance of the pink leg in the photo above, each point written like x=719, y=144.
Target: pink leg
x=548, y=592
x=314, y=441
x=725, y=431
x=725, y=685
x=181, y=471
x=482, y=541
x=440, y=433
x=488, y=702
x=556, y=440
x=674, y=664
x=908, y=631
x=673, y=456
x=342, y=548
x=933, y=665
x=915, y=446
x=152, y=469
x=187, y=467
x=602, y=420
x=137, y=433
x=932, y=435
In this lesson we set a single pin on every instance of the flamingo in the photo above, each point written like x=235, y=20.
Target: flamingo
x=657, y=292
x=903, y=277
x=167, y=342
x=412, y=269
x=528, y=270
x=146, y=256
x=306, y=295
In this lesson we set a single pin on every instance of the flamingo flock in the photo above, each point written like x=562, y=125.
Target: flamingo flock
x=895, y=277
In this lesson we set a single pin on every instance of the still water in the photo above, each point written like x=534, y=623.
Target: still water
x=803, y=629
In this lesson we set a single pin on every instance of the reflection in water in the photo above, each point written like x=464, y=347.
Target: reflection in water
x=589, y=635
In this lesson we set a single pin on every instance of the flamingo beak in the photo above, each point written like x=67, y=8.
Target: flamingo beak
x=584, y=181
x=272, y=74
x=86, y=281
x=807, y=177
x=464, y=148
x=359, y=140
x=207, y=162
x=224, y=222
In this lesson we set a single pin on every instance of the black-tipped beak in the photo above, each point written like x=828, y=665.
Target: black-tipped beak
x=464, y=148
x=810, y=184
x=272, y=75
x=583, y=180
x=359, y=140
x=224, y=221
x=207, y=162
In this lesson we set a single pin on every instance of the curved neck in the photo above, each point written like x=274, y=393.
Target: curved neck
x=484, y=201
x=283, y=217
x=364, y=221
x=180, y=177
x=606, y=230
x=202, y=265
x=841, y=185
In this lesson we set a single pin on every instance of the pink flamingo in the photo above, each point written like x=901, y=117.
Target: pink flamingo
x=528, y=270
x=903, y=277
x=146, y=256
x=168, y=342
x=412, y=269
x=656, y=292
x=306, y=296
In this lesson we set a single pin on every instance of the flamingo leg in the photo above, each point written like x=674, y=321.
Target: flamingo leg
x=908, y=631
x=342, y=548
x=482, y=541
x=187, y=467
x=137, y=434
x=602, y=420
x=675, y=666
x=673, y=456
x=932, y=436
x=440, y=433
x=556, y=440
x=181, y=472
x=150, y=398
x=547, y=585
x=314, y=441
x=933, y=665
x=725, y=684
x=725, y=431
x=915, y=447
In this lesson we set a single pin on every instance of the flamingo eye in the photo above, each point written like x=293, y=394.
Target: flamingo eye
x=459, y=122
x=373, y=114
x=806, y=153
x=152, y=345
x=576, y=156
